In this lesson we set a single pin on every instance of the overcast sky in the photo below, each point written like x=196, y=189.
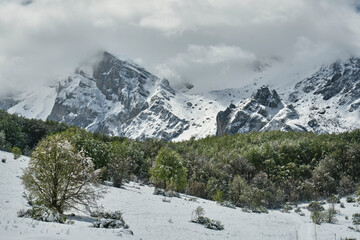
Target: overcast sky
x=213, y=44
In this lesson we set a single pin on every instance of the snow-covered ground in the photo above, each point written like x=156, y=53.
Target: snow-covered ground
x=150, y=217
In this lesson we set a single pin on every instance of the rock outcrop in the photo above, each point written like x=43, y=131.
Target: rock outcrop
x=263, y=111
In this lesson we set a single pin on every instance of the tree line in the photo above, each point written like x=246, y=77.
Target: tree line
x=249, y=170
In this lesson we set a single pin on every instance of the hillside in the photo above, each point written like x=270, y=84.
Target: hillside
x=150, y=217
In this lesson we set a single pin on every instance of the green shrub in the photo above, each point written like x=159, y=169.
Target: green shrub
x=333, y=199
x=218, y=196
x=16, y=151
x=330, y=215
x=287, y=208
x=317, y=217
x=315, y=206
x=227, y=204
x=109, y=220
x=198, y=217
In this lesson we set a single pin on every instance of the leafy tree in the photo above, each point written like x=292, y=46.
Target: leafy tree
x=16, y=151
x=118, y=166
x=168, y=170
x=240, y=192
x=59, y=177
x=2, y=140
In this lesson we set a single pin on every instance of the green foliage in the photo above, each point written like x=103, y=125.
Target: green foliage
x=315, y=207
x=99, y=151
x=118, y=165
x=196, y=188
x=317, y=217
x=168, y=170
x=328, y=216
x=16, y=131
x=16, y=151
x=274, y=167
x=240, y=192
x=333, y=199
x=59, y=177
x=2, y=139
x=346, y=186
x=218, y=196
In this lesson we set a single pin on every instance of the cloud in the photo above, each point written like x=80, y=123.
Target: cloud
x=212, y=55
x=211, y=43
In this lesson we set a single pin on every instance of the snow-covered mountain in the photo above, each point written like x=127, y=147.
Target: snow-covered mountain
x=120, y=98
x=263, y=111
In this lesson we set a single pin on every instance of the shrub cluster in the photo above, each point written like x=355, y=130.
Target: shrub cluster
x=198, y=217
x=109, y=220
x=42, y=213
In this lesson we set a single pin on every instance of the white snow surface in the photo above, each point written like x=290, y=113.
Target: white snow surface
x=36, y=103
x=149, y=217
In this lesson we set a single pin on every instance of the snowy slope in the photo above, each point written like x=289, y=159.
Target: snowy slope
x=36, y=103
x=328, y=100
x=152, y=219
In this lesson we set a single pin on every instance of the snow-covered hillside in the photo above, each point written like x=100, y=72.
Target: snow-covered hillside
x=149, y=217
x=120, y=98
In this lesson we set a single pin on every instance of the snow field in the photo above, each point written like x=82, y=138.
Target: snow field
x=149, y=217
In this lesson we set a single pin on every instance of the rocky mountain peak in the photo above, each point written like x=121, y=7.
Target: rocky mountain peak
x=118, y=97
x=264, y=110
x=266, y=97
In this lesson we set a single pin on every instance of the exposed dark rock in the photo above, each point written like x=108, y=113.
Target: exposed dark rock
x=253, y=114
x=313, y=123
x=322, y=111
x=266, y=97
x=354, y=106
x=7, y=102
x=222, y=119
x=294, y=97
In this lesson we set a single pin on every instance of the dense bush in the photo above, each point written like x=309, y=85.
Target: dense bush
x=109, y=220
x=42, y=213
x=16, y=152
x=16, y=131
x=198, y=217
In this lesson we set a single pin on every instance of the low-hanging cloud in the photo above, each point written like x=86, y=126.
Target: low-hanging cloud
x=212, y=44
